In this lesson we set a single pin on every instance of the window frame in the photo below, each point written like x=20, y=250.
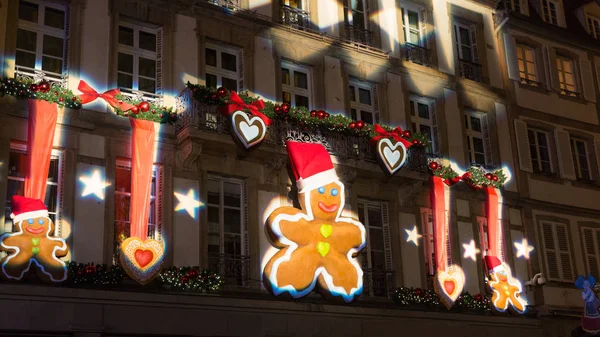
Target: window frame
x=562, y=74
x=349, y=16
x=416, y=121
x=218, y=71
x=302, y=4
x=242, y=209
x=459, y=43
x=556, y=250
x=545, y=5
x=470, y=134
x=596, y=248
x=291, y=88
x=515, y=5
x=537, y=147
x=576, y=162
x=360, y=107
x=483, y=234
x=404, y=8
x=136, y=52
x=522, y=58
x=428, y=240
x=365, y=205
x=595, y=30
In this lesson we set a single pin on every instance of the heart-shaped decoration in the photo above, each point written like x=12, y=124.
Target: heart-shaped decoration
x=393, y=155
x=449, y=284
x=249, y=130
x=35, y=241
x=323, y=248
x=326, y=230
x=35, y=250
x=142, y=260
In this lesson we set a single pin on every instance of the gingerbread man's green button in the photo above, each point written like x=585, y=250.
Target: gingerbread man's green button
x=326, y=230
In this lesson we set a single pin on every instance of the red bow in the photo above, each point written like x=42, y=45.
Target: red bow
x=237, y=104
x=89, y=95
x=395, y=134
x=466, y=177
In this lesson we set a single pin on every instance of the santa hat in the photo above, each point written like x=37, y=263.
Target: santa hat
x=493, y=264
x=27, y=208
x=311, y=165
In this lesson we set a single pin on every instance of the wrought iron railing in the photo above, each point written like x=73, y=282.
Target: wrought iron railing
x=569, y=93
x=417, y=54
x=235, y=268
x=142, y=95
x=378, y=283
x=470, y=70
x=41, y=75
x=295, y=17
x=231, y=5
x=359, y=35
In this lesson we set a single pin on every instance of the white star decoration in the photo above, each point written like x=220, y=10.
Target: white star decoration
x=188, y=203
x=94, y=184
x=413, y=235
x=523, y=248
x=470, y=250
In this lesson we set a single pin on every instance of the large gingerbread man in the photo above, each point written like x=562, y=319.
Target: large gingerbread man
x=506, y=289
x=33, y=243
x=317, y=243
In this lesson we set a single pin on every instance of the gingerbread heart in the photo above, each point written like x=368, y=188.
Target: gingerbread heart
x=249, y=130
x=392, y=155
x=449, y=284
x=142, y=260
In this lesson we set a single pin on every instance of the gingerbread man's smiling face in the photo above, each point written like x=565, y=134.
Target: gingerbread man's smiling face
x=37, y=227
x=326, y=201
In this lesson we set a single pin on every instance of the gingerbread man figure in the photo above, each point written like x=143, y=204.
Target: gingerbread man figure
x=506, y=289
x=33, y=243
x=317, y=243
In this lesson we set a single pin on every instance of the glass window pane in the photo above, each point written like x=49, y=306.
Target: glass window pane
x=287, y=97
x=364, y=96
x=214, y=242
x=53, y=170
x=541, y=137
x=233, y=221
x=300, y=80
x=361, y=213
x=147, y=67
x=124, y=80
x=366, y=117
x=377, y=260
x=54, y=18
x=232, y=194
x=352, y=94
x=122, y=203
x=412, y=108
x=374, y=216
x=478, y=145
x=147, y=85
x=413, y=20
x=213, y=192
x=358, y=20
x=123, y=180
x=126, y=36
x=125, y=63
x=414, y=37
x=25, y=59
x=147, y=41
x=211, y=81
x=466, y=54
x=464, y=36
x=301, y=101
x=53, y=46
x=230, y=84
x=285, y=76
x=375, y=237
x=423, y=110
x=228, y=61
x=213, y=220
x=211, y=57
x=52, y=64
x=476, y=124
x=28, y=11
x=233, y=244
x=357, y=5
x=353, y=114
x=26, y=40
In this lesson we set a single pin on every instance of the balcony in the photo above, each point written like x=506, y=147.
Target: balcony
x=231, y=5
x=378, y=283
x=359, y=35
x=235, y=268
x=138, y=95
x=470, y=70
x=295, y=18
x=417, y=54
x=41, y=75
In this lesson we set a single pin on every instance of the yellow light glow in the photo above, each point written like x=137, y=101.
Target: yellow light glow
x=523, y=249
x=507, y=173
x=413, y=235
x=470, y=250
x=188, y=203
x=94, y=184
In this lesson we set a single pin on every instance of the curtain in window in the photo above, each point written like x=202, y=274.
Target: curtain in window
x=40, y=137
x=142, y=155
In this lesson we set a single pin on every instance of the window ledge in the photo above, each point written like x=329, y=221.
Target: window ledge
x=579, y=98
x=547, y=177
x=541, y=89
x=587, y=184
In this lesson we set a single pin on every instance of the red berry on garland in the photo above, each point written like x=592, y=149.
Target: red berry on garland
x=33, y=88
x=406, y=133
x=313, y=113
x=135, y=109
x=433, y=165
x=360, y=124
x=44, y=86
x=285, y=108
x=321, y=114
x=495, y=177
x=144, y=106
x=327, y=115
x=488, y=176
x=22, y=92
x=153, y=111
x=277, y=109
x=415, y=142
x=478, y=297
x=419, y=292
x=352, y=125
x=55, y=93
x=74, y=98
x=214, y=97
x=61, y=99
x=222, y=92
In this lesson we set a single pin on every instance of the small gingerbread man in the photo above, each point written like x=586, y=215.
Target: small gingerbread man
x=506, y=289
x=317, y=243
x=33, y=243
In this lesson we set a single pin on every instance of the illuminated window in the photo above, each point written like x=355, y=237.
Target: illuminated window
x=422, y=112
x=580, y=159
x=356, y=14
x=294, y=4
x=515, y=5
x=540, y=150
x=363, y=102
x=137, y=63
x=411, y=26
x=376, y=258
x=593, y=26
x=527, y=64
x=557, y=251
x=566, y=75
x=123, y=200
x=296, y=85
x=17, y=163
x=428, y=240
x=549, y=11
x=476, y=140
x=591, y=249
x=41, y=37
x=465, y=44
x=223, y=67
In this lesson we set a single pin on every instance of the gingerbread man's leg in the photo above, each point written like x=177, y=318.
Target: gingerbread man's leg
x=49, y=263
x=516, y=303
x=500, y=299
x=298, y=271
x=15, y=265
x=342, y=272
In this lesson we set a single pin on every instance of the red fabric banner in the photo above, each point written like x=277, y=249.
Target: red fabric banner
x=142, y=159
x=491, y=208
x=438, y=206
x=40, y=137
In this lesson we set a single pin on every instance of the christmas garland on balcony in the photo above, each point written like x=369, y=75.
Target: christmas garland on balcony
x=476, y=177
x=409, y=297
x=23, y=88
x=301, y=116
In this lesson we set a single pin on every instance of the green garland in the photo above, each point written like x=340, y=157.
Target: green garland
x=191, y=279
x=408, y=297
x=51, y=92
x=300, y=116
x=476, y=176
x=101, y=274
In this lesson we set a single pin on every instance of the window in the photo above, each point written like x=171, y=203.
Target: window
x=422, y=113
x=137, y=62
x=580, y=159
x=17, y=163
x=464, y=43
x=540, y=150
x=376, y=259
x=41, y=37
x=527, y=64
x=356, y=14
x=363, y=102
x=515, y=5
x=411, y=26
x=566, y=75
x=483, y=234
x=296, y=85
x=223, y=67
x=476, y=140
x=428, y=241
x=593, y=26
x=294, y=3
x=123, y=200
x=549, y=11
x=591, y=247
x=557, y=251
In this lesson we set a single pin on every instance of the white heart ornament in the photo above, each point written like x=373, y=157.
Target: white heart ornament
x=393, y=155
x=249, y=130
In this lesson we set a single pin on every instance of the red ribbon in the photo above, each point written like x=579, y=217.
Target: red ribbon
x=89, y=95
x=491, y=210
x=395, y=134
x=440, y=221
x=466, y=177
x=237, y=104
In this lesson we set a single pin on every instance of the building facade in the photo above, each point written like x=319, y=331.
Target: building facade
x=509, y=83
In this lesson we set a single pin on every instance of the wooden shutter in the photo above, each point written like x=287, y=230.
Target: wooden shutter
x=547, y=67
x=473, y=30
x=587, y=79
x=423, y=27
x=512, y=62
x=387, y=236
x=434, y=128
x=524, y=6
x=246, y=249
x=564, y=252
x=565, y=157
x=67, y=39
x=375, y=93
x=590, y=249
x=555, y=82
x=159, y=60
x=240, y=60
x=550, y=251
x=487, y=141
x=597, y=153
x=523, y=146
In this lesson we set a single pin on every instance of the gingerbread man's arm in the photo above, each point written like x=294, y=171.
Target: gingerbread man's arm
x=10, y=240
x=286, y=221
x=63, y=249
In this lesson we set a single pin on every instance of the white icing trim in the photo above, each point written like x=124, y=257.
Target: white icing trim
x=317, y=180
x=513, y=282
x=393, y=147
x=29, y=215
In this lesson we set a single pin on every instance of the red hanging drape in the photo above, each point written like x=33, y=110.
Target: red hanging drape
x=142, y=153
x=40, y=137
x=438, y=206
x=491, y=208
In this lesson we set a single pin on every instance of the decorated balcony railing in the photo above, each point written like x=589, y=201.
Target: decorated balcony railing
x=41, y=75
x=359, y=35
x=142, y=95
x=470, y=70
x=235, y=268
x=231, y=5
x=295, y=17
x=417, y=54
x=378, y=283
